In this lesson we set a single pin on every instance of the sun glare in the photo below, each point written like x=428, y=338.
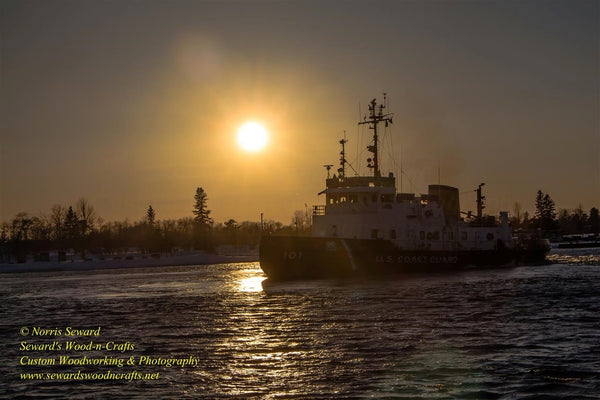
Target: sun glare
x=252, y=136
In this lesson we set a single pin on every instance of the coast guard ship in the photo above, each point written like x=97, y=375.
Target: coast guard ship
x=366, y=228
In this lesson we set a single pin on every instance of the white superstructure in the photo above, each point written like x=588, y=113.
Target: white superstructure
x=368, y=207
x=362, y=208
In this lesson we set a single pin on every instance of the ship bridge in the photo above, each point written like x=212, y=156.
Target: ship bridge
x=357, y=194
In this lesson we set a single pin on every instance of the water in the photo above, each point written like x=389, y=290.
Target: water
x=518, y=333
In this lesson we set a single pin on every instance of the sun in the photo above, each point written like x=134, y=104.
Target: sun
x=252, y=136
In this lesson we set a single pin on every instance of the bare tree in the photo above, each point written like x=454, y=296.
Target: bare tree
x=516, y=217
x=86, y=215
x=58, y=215
x=41, y=228
x=299, y=219
x=20, y=226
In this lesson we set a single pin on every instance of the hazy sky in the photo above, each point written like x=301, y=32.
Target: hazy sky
x=137, y=103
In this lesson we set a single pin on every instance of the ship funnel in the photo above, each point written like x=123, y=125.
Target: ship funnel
x=449, y=201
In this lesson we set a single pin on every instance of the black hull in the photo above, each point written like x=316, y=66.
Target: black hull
x=288, y=258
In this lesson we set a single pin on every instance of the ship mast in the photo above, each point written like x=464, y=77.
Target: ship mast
x=480, y=202
x=376, y=116
x=342, y=169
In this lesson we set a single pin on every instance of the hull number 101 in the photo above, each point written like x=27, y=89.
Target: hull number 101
x=292, y=255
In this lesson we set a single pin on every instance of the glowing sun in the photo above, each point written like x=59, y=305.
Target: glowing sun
x=252, y=136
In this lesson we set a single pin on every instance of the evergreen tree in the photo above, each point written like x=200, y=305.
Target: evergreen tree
x=150, y=216
x=202, y=222
x=545, y=211
x=594, y=220
x=580, y=219
x=71, y=224
x=150, y=233
x=563, y=220
x=201, y=213
x=539, y=206
x=549, y=211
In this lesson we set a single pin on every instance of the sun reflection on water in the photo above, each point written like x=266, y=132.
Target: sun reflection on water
x=251, y=284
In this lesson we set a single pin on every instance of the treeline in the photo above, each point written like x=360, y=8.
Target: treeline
x=79, y=228
x=555, y=223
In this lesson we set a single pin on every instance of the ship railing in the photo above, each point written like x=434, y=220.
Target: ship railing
x=318, y=210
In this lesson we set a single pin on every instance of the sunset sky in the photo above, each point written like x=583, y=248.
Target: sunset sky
x=137, y=103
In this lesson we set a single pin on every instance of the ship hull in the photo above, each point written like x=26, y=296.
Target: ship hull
x=289, y=258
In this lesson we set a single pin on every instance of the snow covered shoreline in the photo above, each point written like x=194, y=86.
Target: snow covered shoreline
x=138, y=261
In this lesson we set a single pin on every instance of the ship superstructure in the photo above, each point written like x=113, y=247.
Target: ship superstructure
x=363, y=208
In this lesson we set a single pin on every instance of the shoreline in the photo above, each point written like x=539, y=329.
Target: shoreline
x=176, y=260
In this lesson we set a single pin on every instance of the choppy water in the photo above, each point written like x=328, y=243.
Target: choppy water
x=518, y=333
